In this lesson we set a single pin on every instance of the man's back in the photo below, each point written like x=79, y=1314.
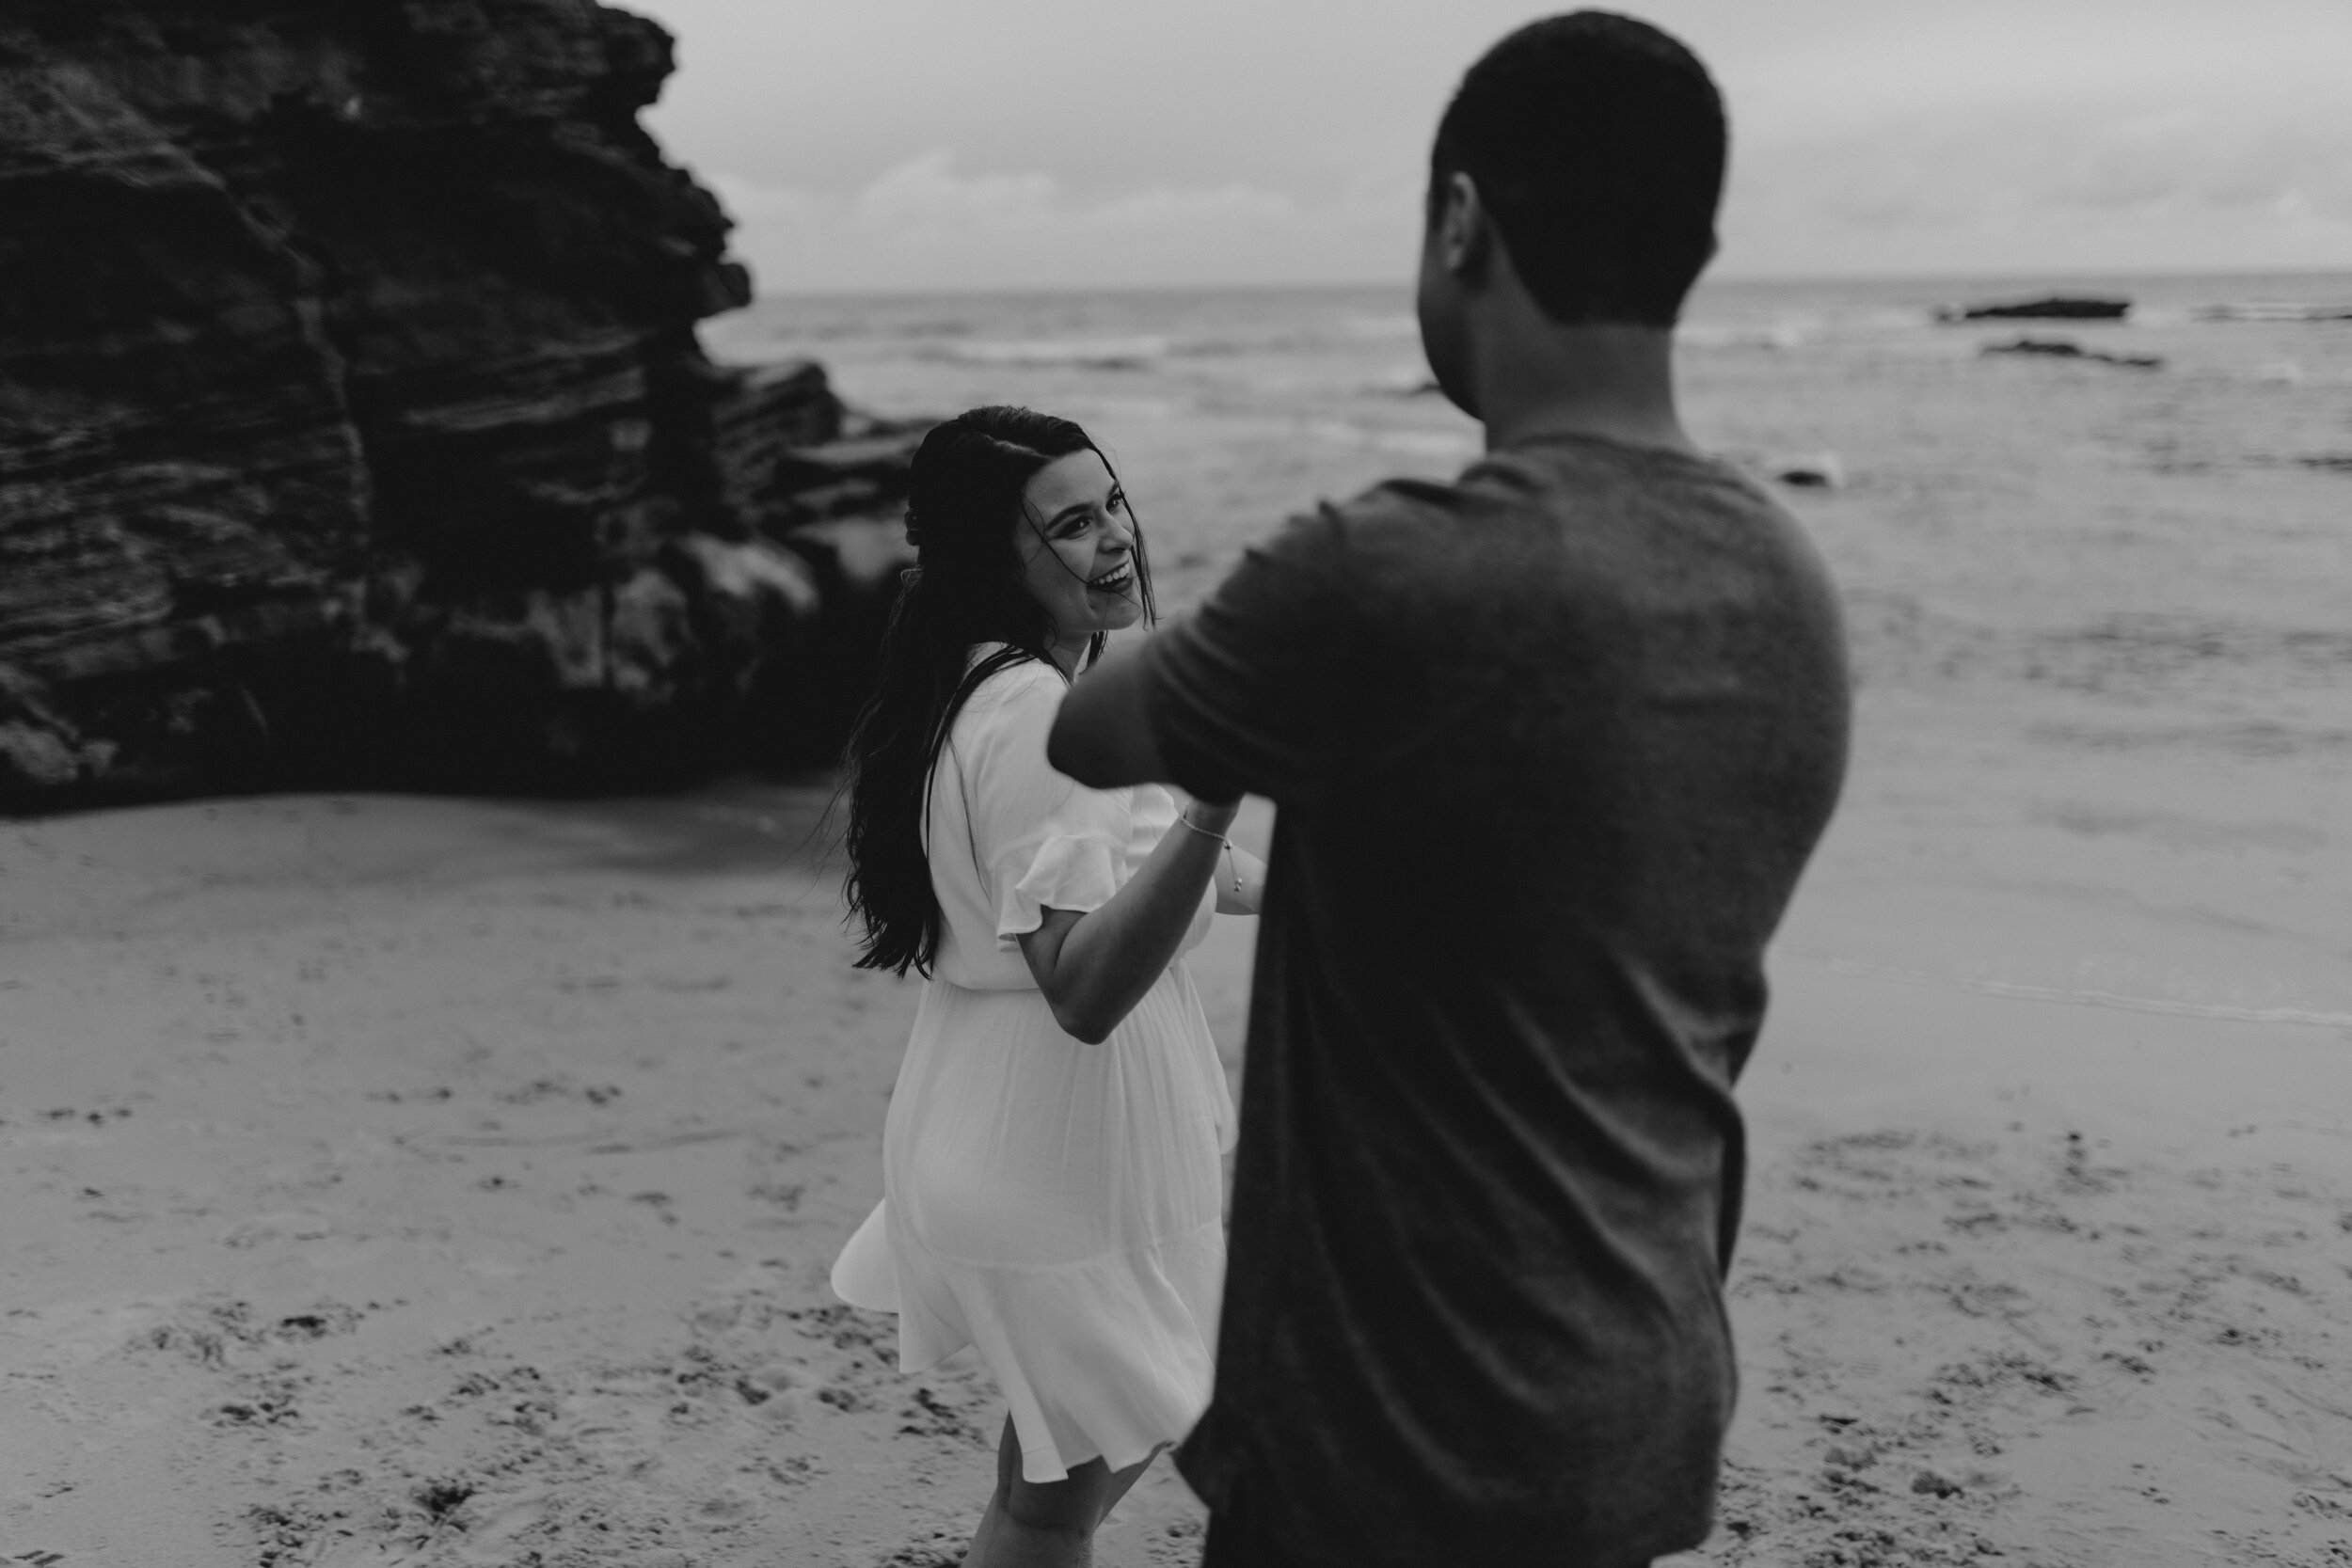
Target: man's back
x=1550, y=747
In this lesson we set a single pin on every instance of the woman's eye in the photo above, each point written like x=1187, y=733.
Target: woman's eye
x=1119, y=501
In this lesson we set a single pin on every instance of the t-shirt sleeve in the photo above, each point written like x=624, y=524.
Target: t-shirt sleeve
x=1039, y=839
x=1253, y=692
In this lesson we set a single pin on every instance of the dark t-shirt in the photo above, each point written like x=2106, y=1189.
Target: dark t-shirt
x=1550, y=746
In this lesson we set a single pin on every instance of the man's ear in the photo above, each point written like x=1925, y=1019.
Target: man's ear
x=1465, y=235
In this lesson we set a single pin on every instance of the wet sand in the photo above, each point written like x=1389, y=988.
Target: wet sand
x=443, y=1182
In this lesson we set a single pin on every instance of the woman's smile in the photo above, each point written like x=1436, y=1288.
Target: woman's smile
x=1077, y=547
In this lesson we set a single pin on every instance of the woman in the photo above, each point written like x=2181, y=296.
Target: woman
x=1051, y=1157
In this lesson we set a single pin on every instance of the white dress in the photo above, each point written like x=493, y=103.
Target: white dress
x=1057, y=1205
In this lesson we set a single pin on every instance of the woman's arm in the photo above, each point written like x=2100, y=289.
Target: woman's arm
x=1094, y=967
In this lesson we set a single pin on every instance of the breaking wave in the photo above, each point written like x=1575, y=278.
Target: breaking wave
x=2272, y=310
x=1099, y=354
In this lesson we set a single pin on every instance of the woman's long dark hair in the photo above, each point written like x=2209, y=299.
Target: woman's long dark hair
x=970, y=480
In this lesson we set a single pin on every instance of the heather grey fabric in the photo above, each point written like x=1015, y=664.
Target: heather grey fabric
x=1550, y=746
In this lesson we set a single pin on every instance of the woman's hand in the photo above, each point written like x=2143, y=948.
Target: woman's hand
x=1094, y=967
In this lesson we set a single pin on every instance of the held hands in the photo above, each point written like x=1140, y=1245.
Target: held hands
x=1094, y=967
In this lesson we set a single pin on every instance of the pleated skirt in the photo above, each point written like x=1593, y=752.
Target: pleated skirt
x=1058, y=1206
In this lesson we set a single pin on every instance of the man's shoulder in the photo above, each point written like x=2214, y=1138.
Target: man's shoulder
x=1400, y=506
x=1388, y=525
x=1574, y=469
x=1531, y=485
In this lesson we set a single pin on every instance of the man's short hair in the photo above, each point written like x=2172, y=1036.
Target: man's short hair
x=1597, y=143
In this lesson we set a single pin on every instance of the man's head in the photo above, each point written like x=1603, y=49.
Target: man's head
x=1592, y=146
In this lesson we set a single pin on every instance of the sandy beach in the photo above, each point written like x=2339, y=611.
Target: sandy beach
x=452, y=1182
x=403, y=1180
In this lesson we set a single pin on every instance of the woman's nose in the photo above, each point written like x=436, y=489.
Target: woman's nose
x=1119, y=532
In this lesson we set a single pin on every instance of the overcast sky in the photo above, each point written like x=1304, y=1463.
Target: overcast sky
x=953, y=144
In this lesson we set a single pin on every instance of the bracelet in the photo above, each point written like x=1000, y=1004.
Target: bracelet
x=1203, y=831
x=1231, y=865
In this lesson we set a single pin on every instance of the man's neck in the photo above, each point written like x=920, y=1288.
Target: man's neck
x=1537, y=378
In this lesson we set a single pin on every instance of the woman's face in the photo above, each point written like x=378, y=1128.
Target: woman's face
x=1077, y=547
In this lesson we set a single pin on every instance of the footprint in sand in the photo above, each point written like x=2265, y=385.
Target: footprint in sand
x=491, y=1530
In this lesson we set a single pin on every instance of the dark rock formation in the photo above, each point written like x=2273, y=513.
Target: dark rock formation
x=2060, y=348
x=2054, y=307
x=1813, y=470
x=353, y=428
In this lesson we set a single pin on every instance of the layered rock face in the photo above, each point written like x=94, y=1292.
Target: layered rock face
x=353, y=429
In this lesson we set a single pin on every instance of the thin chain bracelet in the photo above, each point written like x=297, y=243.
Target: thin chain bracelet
x=1205, y=833
x=1231, y=865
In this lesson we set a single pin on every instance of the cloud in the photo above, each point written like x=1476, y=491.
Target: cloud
x=926, y=222
x=2086, y=186
x=2004, y=135
x=2122, y=183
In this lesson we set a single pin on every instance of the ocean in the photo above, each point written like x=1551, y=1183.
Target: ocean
x=2101, y=613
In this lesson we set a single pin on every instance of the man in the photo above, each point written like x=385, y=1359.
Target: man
x=1550, y=746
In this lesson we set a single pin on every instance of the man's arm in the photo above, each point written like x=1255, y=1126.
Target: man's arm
x=1102, y=735
x=1252, y=692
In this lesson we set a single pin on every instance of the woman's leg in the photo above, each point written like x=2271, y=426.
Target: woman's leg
x=1047, y=1524
x=1121, y=1480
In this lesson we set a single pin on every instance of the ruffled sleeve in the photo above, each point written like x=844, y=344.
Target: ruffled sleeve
x=1067, y=871
x=1039, y=839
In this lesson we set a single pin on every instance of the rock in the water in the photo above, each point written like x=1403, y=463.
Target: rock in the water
x=2060, y=348
x=1817, y=471
x=2051, y=307
x=353, y=427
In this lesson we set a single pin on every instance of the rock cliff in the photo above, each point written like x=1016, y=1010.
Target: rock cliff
x=353, y=427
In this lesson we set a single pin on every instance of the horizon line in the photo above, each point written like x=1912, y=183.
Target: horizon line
x=2021, y=274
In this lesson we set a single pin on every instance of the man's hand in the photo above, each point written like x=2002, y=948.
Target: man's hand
x=1102, y=737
